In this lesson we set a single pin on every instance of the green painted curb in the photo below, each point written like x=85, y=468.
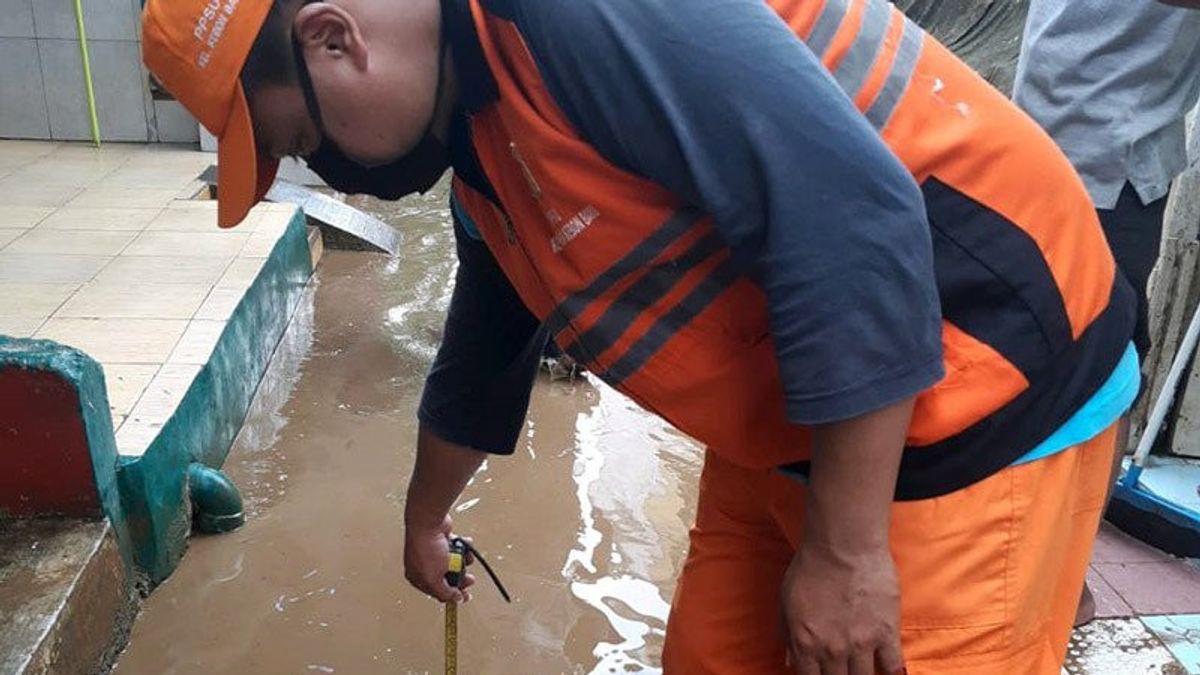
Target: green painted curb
x=153, y=487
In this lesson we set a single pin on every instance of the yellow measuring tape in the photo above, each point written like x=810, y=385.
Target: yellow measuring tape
x=451, y=638
x=454, y=576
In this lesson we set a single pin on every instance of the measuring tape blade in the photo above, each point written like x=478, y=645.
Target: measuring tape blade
x=454, y=577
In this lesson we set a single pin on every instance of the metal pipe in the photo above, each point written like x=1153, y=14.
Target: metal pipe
x=87, y=72
x=1166, y=396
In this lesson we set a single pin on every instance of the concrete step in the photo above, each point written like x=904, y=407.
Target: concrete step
x=65, y=600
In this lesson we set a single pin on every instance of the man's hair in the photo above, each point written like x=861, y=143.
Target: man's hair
x=271, y=60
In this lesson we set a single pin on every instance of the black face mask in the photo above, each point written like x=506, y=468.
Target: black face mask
x=417, y=171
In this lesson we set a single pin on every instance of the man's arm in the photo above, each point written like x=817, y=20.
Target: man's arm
x=841, y=596
x=441, y=472
x=474, y=403
x=475, y=395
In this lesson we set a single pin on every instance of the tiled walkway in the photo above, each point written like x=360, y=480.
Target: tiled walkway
x=1148, y=609
x=106, y=250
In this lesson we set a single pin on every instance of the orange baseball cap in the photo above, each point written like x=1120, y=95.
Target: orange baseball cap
x=196, y=49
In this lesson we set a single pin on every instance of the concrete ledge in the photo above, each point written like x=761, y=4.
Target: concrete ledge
x=66, y=575
x=202, y=428
x=57, y=453
x=66, y=597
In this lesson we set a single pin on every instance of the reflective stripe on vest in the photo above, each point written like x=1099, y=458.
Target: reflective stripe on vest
x=884, y=37
x=649, y=284
x=870, y=49
x=643, y=254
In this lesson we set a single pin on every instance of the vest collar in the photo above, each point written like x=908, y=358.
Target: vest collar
x=476, y=89
x=476, y=85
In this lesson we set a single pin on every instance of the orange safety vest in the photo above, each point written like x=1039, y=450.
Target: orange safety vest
x=573, y=233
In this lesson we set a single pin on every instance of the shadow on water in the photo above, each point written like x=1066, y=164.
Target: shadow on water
x=586, y=523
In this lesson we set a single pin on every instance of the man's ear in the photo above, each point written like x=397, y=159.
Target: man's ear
x=329, y=30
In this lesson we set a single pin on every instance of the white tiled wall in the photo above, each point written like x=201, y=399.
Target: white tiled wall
x=104, y=19
x=22, y=100
x=42, y=91
x=16, y=18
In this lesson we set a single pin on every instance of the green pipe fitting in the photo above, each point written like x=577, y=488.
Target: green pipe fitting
x=216, y=502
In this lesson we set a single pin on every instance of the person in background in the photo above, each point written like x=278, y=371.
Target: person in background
x=1111, y=81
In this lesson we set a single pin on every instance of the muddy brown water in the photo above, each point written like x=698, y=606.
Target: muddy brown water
x=586, y=523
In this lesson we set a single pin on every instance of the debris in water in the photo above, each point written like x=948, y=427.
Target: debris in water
x=279, y=603
x=561, y=367
x=320, y=669
x=237, y=570
x=311, y=573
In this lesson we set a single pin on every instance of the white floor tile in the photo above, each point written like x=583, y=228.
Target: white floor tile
x=126, y=382
x=16, y=191
x=220, y=304
x=49, y=269
x=9, y=235
x=223, y=244
x=135, y=436
x=69, y=172
x=182, y=219
x=134, y=269
x=135, y=301
x=123, y=197
x=241, y=273
x=87, y=218
x=22, y=217
x=197, y=343
x=164, y=393
x=19, y=327
x=147, y=341
x=33, y=301
x=71, y=242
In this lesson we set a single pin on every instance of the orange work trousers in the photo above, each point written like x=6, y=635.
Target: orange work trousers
x=990, y=575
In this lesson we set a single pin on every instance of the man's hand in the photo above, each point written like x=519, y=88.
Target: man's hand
x=426, y=560
x=842, y=614
x=841, y=598
x=441, y=471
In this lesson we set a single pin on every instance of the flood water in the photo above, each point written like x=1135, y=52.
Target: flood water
x=586, y=523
